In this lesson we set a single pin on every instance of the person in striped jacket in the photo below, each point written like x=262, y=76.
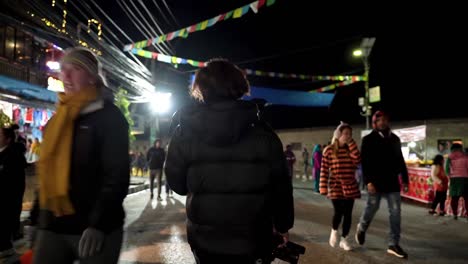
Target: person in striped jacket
x=338, y=181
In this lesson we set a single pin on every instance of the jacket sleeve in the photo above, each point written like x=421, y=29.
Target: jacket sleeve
x=283, y=212
x=366, y=154
x=324, y=172
x=148, y=154
x=401, y=162
x=354, y=153
x=177, y=164
x=115, y=169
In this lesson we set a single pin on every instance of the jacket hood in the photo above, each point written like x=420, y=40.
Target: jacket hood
x=221, y=123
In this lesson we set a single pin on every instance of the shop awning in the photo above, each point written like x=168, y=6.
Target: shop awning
x=26, y=91
x=291, y=98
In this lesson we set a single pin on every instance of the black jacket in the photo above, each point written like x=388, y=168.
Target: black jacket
x=156, y=157
x=100, y=172
x=233, y=171
x=383, y=162
x=12, y=178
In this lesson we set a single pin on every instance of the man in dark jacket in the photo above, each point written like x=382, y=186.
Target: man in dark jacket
x=382, y=163
x=232, y=168
x=156, y=157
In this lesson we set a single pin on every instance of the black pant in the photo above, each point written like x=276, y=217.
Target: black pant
x=343, y=209
x=54, y=248
x=439, y=199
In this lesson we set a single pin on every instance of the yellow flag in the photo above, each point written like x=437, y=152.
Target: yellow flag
x=237, y=13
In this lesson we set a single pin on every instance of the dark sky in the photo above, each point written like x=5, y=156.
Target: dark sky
x=305, y=37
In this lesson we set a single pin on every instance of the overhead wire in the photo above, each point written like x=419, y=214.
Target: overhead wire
x=161, y=32
x=140, y=26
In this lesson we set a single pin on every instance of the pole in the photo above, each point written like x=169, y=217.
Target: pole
x=367, y=108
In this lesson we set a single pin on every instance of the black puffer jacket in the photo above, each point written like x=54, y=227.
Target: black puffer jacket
x=233, y=171
x=100, y=172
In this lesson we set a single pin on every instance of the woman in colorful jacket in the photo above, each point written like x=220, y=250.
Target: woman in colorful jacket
x=338, y=181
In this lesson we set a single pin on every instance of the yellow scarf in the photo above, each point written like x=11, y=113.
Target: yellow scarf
x=54, y=165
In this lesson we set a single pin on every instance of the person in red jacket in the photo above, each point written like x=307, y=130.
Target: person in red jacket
x=338, y=181
x=440, y=180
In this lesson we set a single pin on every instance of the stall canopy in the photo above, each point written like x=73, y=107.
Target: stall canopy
x=291, y=98
x=26, y=91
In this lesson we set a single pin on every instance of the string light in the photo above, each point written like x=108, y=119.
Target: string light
x=53, y=3
x=94, y=21
x=64, y=23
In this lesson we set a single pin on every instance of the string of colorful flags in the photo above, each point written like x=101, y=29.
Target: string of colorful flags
x=184, y=32
x=176, y=60
x=334, y=86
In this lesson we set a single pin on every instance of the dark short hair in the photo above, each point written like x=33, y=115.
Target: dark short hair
x=9, y=133
x=219, y=80
x=158, y=140
x=456, y=146
x=438, y=159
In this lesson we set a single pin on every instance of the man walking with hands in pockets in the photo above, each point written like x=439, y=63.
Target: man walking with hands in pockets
x=382, y=163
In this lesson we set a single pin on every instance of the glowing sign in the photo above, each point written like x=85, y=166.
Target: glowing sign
x=53, y=65
x=54, y=85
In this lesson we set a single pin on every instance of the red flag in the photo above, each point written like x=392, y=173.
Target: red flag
x=154, y=55
x=221, y=18
x=260, y=3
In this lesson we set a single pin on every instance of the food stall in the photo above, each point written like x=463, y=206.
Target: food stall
x=413, y=147
x=420, y=188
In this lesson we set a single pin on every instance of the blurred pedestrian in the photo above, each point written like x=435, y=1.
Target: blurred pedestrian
x=291, y=159
x=83, y=170
x=440, y=181
x=317, y=163
x=338, y=181
x=12, y=175
x=232, y=168
x=156, y=157
x=305, y=161
x=457, y=169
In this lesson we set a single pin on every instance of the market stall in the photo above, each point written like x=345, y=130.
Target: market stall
x=413, y=147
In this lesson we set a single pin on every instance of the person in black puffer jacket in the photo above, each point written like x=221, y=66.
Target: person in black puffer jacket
x=233, y=170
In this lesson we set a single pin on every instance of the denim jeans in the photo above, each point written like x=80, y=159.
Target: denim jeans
x=394, y=208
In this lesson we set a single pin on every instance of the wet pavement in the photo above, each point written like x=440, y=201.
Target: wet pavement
x=156, y=232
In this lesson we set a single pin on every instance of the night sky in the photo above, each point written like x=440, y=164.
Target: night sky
x=304, y=37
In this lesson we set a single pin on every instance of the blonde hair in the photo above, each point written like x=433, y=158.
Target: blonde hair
x=335, y=143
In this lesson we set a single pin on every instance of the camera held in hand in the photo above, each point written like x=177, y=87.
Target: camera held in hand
x=289, y=253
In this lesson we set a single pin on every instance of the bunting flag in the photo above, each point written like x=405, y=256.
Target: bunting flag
x=165, y=58
x=305, y=77
x=184, y=32
x=344, y=79
x=333, y=86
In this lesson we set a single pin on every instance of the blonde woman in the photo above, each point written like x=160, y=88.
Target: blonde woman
x=338, y=181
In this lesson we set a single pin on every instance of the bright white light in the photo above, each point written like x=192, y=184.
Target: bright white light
x=412, y=144
x=160, y=102
x=53, y=65
x=357, y=53
x=54, y=85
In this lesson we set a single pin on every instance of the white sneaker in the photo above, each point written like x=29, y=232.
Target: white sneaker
x=333, y=238
x=344, y=244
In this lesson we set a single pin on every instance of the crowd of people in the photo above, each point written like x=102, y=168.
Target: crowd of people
x=232, y=214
